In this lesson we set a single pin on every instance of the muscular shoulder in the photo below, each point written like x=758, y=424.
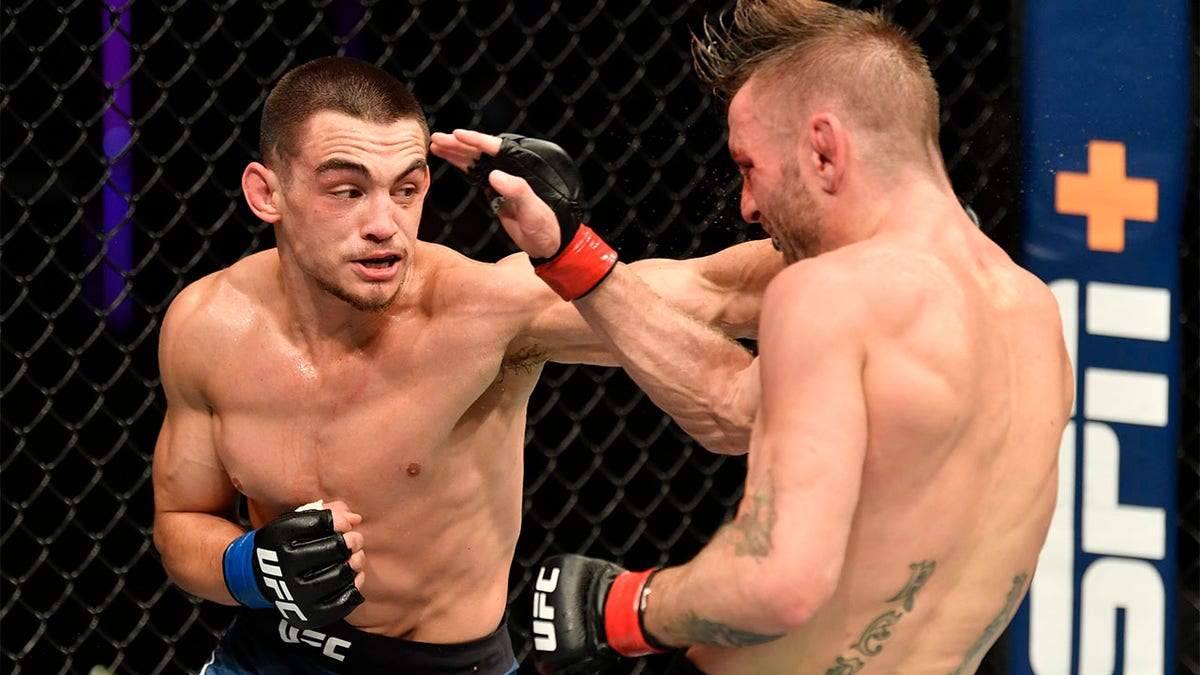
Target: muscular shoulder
x=897, y=285
x=825, y=290
x=457, y=282
x=504, y=299
x=227, y=302
x=210, y=315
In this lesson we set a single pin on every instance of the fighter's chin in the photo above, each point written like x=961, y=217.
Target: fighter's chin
x=375, y=300
x=372, y=305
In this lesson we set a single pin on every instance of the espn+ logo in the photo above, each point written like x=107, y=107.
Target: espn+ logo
x=1110, y=560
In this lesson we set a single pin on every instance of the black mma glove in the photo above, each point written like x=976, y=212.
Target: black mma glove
x=587, y=611
x=582, y=259
x=297, y=564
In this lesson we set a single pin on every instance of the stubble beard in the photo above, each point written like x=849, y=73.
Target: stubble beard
x=796, y=224
x=374, y=303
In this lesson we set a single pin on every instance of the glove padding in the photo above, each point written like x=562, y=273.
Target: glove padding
x=587, y=612
x=548, y=169
x=296, y=563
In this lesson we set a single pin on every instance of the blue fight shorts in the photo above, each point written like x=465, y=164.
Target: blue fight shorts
x=260, y=641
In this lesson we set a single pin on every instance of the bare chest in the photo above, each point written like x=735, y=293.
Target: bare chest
x=391, y=425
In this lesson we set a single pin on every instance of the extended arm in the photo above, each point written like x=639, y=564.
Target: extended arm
x=684, y=311
x=704, y=380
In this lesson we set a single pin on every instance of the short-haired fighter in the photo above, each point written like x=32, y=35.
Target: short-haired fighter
x=904, y=412
x=366, y=393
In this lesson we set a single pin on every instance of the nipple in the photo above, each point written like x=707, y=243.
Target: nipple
x=414, y=470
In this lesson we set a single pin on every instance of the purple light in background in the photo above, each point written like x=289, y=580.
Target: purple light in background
x=117, y=241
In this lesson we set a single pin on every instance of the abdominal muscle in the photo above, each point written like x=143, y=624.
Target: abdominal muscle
x=440, y=545
x=440, y=518
x=442, y=587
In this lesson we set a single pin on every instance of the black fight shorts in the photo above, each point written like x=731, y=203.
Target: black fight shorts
x=262, y=642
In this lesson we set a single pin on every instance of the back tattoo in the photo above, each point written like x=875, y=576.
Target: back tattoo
x=870, y=642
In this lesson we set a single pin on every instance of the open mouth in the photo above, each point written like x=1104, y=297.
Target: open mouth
x=379, y=263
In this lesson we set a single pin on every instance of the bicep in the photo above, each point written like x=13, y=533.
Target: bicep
x=555, y=328
x=812, y=420
x=724, y=289
x=187, y=473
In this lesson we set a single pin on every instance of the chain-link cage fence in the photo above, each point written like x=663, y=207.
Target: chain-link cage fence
x=124, y=131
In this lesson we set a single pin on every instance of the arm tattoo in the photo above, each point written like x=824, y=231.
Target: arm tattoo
x=757, y=523
x=700, y=631
x=998, y=623
x=870, y=642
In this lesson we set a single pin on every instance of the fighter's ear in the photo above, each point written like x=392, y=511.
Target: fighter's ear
x=260, y=185
x=828, y=150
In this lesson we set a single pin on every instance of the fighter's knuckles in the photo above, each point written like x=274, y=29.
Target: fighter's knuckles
x=354, y=541
x=343, y=518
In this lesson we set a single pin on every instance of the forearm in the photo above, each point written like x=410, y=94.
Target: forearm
x=723, y=289
x=722, y=597
x=192, y=546
x=687, y=367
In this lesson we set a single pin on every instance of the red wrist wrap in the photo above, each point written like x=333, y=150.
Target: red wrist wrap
x=623, y=615
x=582, y=264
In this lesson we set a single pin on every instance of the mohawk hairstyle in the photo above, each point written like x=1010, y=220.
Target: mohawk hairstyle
x=869, y=62
x=730, y=51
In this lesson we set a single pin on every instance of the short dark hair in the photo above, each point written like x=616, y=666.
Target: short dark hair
x=337, y=83
x=808, y=45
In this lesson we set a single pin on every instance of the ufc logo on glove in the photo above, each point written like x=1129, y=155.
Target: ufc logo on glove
x=273, y=578
x=544, y=638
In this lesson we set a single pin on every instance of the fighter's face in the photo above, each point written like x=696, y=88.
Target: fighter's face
x=351, y=204
x=774, y=192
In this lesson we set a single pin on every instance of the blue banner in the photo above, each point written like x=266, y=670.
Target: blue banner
x=1106, y=104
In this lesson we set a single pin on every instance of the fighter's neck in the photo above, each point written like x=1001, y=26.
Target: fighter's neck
x=324, y=325
x=887, y=209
